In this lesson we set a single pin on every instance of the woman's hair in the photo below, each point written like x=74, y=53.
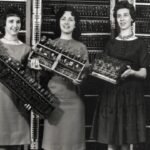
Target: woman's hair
x=76, y=33
x=127, y=5
x=13, y=11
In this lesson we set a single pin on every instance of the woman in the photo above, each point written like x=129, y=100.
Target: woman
x=121, y=111
x=68, y=133
x=14, y=126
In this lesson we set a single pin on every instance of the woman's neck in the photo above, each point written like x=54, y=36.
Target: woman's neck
x=11, y=38
x=126, y=32
x=66, y=36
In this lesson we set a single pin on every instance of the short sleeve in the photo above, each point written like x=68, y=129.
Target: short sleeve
x=143, y=55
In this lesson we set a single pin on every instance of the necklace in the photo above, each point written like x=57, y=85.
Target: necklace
x=126, y=37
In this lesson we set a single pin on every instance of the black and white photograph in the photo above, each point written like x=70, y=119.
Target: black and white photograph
x=74, y=75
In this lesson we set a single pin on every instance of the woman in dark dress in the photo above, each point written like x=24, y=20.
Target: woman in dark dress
x=121, y=119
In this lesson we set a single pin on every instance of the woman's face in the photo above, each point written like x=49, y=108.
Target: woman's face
x=124, y=19
x=13, y=25
x=67, y=22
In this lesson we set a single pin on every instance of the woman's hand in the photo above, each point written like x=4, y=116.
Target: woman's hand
x=127, y=73
x=76, y=82
x=141, y=73
x=34, y=64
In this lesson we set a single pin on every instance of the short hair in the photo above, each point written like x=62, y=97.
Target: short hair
x=76, y=33
x=13, y=11
x=127, y=5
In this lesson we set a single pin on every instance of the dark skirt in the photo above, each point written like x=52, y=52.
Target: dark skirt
x=121, y=117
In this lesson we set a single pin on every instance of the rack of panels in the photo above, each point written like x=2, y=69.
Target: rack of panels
x=142, y=30
x=94, y=21
x=143, y=1
x=142, y=25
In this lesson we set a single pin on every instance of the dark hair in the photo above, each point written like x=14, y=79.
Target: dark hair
x=76, y=33
x=127, y=5
x=13, y=11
